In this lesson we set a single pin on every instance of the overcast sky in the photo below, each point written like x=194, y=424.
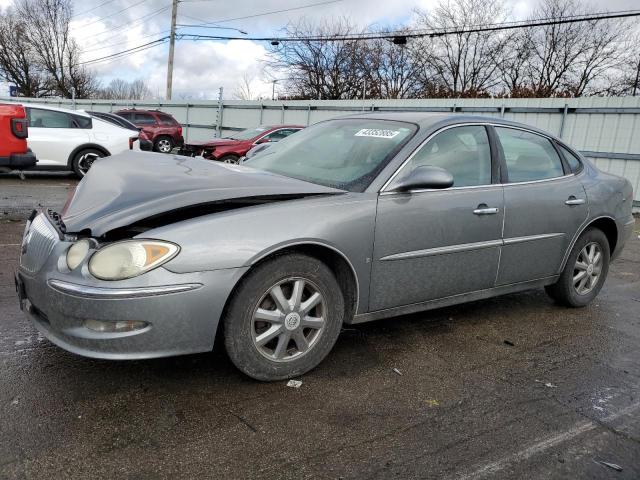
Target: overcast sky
x=202, y=67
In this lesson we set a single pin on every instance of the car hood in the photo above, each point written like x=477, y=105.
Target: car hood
x=132, y=186
x=219, y=142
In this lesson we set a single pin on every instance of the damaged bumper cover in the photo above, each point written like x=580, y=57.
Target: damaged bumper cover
x=176, y=313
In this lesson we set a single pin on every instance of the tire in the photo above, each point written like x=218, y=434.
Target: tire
x=273, y=349
x=229, y=159
x=578, y=293
x=163, y=144
x=84, y=159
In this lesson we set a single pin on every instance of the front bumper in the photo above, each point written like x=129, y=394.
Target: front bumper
x=182, y=311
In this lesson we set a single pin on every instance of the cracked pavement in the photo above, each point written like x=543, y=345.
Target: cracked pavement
x=511, y=387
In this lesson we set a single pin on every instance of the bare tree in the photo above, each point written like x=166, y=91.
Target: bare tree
x=46, y=29
x=244, y=91
x=465, y=63
x=389, y=70
x=17, y=57
x=120, y=89
x=317, y=68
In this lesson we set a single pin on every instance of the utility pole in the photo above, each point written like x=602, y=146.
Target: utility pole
x=635, y=84
x=273, y=89
x=172, y=43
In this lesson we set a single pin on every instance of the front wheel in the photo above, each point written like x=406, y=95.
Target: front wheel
x=284, y=318
x=585, y=271
x=84, y=159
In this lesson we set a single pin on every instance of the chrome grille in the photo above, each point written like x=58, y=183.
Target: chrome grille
x=37, y=244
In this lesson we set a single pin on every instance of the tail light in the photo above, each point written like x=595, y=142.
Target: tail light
x=180, y=130
x=19, y=127
x=131, y=142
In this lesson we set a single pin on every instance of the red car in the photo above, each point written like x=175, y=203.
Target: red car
x=162, y=129
x=230, y=149
x=14, y=153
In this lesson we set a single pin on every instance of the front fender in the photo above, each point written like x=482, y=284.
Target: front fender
x=242, y=237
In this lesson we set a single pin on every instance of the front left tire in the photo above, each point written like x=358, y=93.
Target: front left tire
x=83, y=160
x=284, y=318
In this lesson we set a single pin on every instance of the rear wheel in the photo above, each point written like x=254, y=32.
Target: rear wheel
x=229, y=159
x=84, y=159
x=284, y=318
x=585, y=271
x=163, y=145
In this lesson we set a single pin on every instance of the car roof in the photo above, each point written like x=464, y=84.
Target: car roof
x=82, y=113
x=427, y=120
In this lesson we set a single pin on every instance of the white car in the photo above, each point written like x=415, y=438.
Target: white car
x=65, y=139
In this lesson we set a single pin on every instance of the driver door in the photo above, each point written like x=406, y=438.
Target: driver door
x=431, y=244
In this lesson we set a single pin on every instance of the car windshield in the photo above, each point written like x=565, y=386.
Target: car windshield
x=248, y=134
x=346, y=154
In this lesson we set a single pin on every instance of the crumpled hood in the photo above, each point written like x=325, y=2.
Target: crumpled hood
x=132, y=186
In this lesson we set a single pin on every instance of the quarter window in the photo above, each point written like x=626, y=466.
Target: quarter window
x=144, y=119
x=48, y=119
x=166, y=120
x=529, y=157
x=462, y=151
x=574, y=164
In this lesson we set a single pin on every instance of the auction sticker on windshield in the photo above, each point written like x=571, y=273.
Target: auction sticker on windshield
x=377, y=133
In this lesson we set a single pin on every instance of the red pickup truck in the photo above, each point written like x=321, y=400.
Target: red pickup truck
x=14, y=153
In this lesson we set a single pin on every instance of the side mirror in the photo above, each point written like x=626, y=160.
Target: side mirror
x=425, y=176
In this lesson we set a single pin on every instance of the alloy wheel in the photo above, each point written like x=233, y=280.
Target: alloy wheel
x=85, y=161
x=231, y=160
x=588, y=268
x=289, y=319
x=164, y=145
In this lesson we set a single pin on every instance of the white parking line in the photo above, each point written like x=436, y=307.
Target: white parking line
x=9, y=244
x=542, y=445
x=64, y=185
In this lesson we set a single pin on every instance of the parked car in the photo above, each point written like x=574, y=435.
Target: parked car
x=65, y=139
x=162, y=129
x=14, y=130
x=230, y=149
x=350, y=220
x=143, y=137
x=261, y=147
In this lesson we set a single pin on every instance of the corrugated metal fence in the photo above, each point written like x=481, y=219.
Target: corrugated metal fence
x=607, y=129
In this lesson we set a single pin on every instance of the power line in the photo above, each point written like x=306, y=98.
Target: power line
x=427, y=33
x=127, y=24
x=386, y=35
x=123, y=53
x=125, y=42
x=113, y=14
x=92, y=9
x=272, y=12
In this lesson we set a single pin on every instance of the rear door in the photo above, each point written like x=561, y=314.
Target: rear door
x=545, y=205
x=431, y=244
x=53, y=136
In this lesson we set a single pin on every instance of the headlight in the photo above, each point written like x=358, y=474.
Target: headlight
x=130, y=258
x=77, y=253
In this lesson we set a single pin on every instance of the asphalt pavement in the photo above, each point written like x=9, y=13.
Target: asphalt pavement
x=511, y=387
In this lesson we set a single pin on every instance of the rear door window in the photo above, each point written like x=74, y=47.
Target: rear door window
x=462, y=151
x=48, y=118
x=529, y=157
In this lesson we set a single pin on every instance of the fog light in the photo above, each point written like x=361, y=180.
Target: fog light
x=115, y=327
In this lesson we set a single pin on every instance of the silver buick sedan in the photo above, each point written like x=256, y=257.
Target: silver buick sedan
x=350, y=220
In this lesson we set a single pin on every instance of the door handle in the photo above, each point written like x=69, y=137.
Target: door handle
x=574, y=201
x=484, y=210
